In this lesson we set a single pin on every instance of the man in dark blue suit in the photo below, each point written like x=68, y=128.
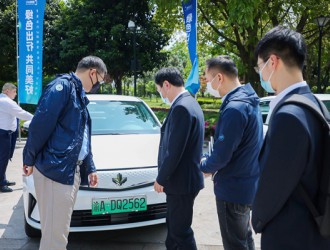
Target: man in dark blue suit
x=291, y=152
x=180, y=150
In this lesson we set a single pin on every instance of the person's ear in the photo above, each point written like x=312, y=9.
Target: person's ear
x=274, y=61
x=166, y=84
x=220, y=78
x=92, y=72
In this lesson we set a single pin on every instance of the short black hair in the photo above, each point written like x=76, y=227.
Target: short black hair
x=92, y=62
x=223, y=64
x=287, y=44
x=172, y=75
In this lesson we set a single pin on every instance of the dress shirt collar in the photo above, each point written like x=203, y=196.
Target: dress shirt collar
x=281, y=95
x=181, y=93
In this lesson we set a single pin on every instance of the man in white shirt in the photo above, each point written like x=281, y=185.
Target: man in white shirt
x=9, y=112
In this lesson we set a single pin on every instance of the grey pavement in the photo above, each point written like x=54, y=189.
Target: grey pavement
x=12, y=235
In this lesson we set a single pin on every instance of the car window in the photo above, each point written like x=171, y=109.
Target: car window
x=264, y=106
x=327, y=104
x=121, y=117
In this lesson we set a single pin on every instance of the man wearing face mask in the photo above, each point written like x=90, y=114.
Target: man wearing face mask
x=233, y=162
x=58, y=148
x=291, y=153
x=180, y=149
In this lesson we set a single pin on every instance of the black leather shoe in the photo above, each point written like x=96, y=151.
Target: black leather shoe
x=10, y=183
x=5, y=189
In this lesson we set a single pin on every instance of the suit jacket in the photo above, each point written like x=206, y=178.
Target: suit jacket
x=290, y=155
x=180, y=148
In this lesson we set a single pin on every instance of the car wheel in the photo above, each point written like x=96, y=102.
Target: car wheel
x=31, y=231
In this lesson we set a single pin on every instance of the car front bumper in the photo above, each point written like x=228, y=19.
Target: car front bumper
x=82, y=219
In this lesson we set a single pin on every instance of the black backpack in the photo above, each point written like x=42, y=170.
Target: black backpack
x=320, y=210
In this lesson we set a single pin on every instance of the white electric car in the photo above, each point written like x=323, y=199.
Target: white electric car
x=125, y=139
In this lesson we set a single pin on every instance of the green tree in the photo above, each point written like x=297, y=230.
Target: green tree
x=236, y=26
x=8, y=40
x=100, y=28
x=8, y=61
x=52, y=35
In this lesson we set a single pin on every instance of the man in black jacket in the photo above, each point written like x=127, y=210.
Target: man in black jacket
x=180, y=150
x=291, y=151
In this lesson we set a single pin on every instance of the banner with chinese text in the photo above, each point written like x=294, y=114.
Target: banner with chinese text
x=30, y=37
x=190, y=19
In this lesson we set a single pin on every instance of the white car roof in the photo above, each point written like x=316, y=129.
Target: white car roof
x=267, y=98
x=103, y=97
x=323, y=97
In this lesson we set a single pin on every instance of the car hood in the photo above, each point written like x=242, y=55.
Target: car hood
x=125, y=151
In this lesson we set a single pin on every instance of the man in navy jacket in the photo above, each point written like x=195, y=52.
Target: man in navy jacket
x=291, y=151
x=234, y=160
x=59, y=146
x=180, y=149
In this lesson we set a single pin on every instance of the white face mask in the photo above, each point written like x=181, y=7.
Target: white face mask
x=211, y=90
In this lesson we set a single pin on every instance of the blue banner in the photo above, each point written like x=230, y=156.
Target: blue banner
x=190, y=20
x=31, y=19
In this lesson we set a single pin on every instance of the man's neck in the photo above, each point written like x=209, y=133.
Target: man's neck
x=176, y=91
x=231, y=86
x=288, y=78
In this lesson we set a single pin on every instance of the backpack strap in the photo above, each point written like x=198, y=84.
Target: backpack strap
x=323, y=115
x=308, y=201
x=321, y=112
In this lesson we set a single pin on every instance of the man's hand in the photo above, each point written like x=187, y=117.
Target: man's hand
x=158, y=188
x=93, y=179
x=27, y=170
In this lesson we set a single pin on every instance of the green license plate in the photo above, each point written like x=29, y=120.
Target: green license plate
x=119, y=205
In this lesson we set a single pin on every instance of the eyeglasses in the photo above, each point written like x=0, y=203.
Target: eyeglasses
x=256, y=68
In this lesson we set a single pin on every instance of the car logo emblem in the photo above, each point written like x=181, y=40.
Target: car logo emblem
x=119, y=180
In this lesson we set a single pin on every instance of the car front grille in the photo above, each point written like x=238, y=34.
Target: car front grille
x=83, y=218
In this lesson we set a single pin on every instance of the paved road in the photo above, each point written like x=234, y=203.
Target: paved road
x=12, y=235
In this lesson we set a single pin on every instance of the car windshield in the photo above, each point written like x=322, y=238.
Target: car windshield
x=121, y=117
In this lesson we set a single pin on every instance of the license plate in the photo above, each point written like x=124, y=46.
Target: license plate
x=119, y=205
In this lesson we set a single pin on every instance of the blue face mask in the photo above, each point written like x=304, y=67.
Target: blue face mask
x=165, y=100
x=266, y=84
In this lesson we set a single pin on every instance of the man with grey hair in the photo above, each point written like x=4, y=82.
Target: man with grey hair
x=59, y=147
x=9, y=112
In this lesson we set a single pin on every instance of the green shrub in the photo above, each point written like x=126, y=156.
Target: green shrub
x=327, y=90
x=314, y=89
x=161, y=114
x=210, y=118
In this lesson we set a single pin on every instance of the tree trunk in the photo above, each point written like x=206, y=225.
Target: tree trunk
x=118, y=84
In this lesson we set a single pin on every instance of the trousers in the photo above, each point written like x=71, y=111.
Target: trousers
x=7, y=146
x=235, y=226
x=180, y=235
x=55, y=202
